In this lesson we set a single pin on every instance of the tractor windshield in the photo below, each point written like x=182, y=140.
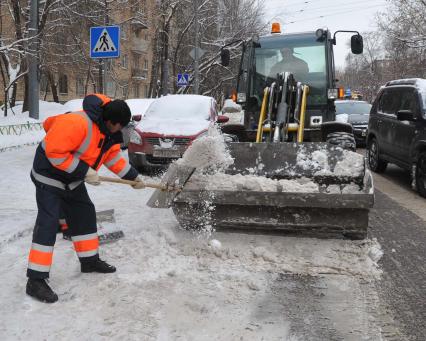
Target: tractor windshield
x=300, y=54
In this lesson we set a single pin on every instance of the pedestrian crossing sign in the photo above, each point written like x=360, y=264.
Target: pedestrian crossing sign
x=105, y=42
x=182, y=79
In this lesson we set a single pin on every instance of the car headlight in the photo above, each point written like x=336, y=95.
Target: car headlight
x=135, y=137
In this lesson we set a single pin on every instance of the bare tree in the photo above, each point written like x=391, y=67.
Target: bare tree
x=220, y=22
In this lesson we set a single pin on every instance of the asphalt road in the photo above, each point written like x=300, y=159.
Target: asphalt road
x=398, y=221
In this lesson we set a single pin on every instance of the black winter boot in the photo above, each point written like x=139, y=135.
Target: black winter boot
x=97, y=265
x=39, y=289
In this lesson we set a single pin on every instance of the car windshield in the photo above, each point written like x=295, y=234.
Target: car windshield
x=353, y=108
x=176, y=107
x=302, y=55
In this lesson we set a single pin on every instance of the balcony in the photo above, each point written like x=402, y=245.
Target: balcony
x=139, y=45
x=139, y=74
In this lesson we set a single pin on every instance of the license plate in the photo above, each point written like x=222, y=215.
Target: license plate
x=168, y=153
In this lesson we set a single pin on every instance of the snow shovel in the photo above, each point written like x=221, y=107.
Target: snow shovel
x=107, y=229
x=170, y=186
x=176, y=177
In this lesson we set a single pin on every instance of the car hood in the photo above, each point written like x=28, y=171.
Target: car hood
x=176, y=127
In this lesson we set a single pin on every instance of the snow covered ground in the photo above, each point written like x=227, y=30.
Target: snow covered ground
x=173, y=284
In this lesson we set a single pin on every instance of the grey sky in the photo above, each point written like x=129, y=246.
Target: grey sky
x=304, y=15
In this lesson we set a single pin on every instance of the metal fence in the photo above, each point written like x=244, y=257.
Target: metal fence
x=19, y=129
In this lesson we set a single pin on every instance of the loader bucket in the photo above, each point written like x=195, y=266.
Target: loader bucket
x=312, y=188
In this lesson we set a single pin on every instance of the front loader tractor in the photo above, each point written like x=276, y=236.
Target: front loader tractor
x=276, y=72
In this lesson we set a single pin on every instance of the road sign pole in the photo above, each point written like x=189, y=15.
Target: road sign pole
x=196, y=67
x=33, y=84
x=100, y=75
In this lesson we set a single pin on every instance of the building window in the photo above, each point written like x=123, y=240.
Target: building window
x=136, y=61
x=79, y=86
x=146, y=91
x=145, y=64
x=124, y=61
x=63, y=84
x=136, y=90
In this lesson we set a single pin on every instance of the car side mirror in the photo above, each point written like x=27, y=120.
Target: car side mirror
x=357, y=44
x=405, y=115
x=136, y=118
x=225, y=57
x=222, y=119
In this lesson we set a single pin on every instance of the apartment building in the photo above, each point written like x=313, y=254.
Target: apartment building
x=127, y=76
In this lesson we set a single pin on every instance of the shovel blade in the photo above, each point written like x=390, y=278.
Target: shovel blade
x=107, y=229
x=176, y=176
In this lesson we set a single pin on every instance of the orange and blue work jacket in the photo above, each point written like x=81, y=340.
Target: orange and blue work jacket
x=74, y=142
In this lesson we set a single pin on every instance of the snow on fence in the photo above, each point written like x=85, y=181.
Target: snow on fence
x=19, y=129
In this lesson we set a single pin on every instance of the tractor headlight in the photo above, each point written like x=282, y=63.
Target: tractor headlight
x=135, y=137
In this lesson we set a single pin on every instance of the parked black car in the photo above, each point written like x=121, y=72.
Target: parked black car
x=397, y=129
x=356, y=113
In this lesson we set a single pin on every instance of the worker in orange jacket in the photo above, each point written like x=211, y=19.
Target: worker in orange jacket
x=74, y=148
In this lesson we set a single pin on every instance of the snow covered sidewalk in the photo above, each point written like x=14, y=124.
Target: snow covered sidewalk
x=172, y=284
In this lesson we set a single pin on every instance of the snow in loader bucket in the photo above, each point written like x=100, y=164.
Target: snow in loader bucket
x=295, y=187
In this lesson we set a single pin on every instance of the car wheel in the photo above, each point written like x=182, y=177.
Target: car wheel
x=421, y=175
x=373, y=157
x=342, y=139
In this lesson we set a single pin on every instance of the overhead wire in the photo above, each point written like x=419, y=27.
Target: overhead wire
x=345, y=6
x=348, y=10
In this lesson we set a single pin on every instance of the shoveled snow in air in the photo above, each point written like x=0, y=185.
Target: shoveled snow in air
x=208, y=153
x=172, y=284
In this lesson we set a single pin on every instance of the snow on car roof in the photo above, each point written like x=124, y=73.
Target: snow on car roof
x=178, y=115
x=181, y=106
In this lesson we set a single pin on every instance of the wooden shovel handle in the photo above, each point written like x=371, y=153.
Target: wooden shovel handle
x=131, y=182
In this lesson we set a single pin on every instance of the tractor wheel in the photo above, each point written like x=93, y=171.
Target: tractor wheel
x=342, y=139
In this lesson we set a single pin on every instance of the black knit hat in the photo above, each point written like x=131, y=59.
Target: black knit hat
x=117, y=111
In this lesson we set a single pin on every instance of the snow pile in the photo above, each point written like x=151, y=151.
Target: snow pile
x=231, y=107
x=208, y=153
x=239, y=182
x=29, y=133
x=350, y=165
x=74, y=104
x=46, y=109
x=375, y=252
